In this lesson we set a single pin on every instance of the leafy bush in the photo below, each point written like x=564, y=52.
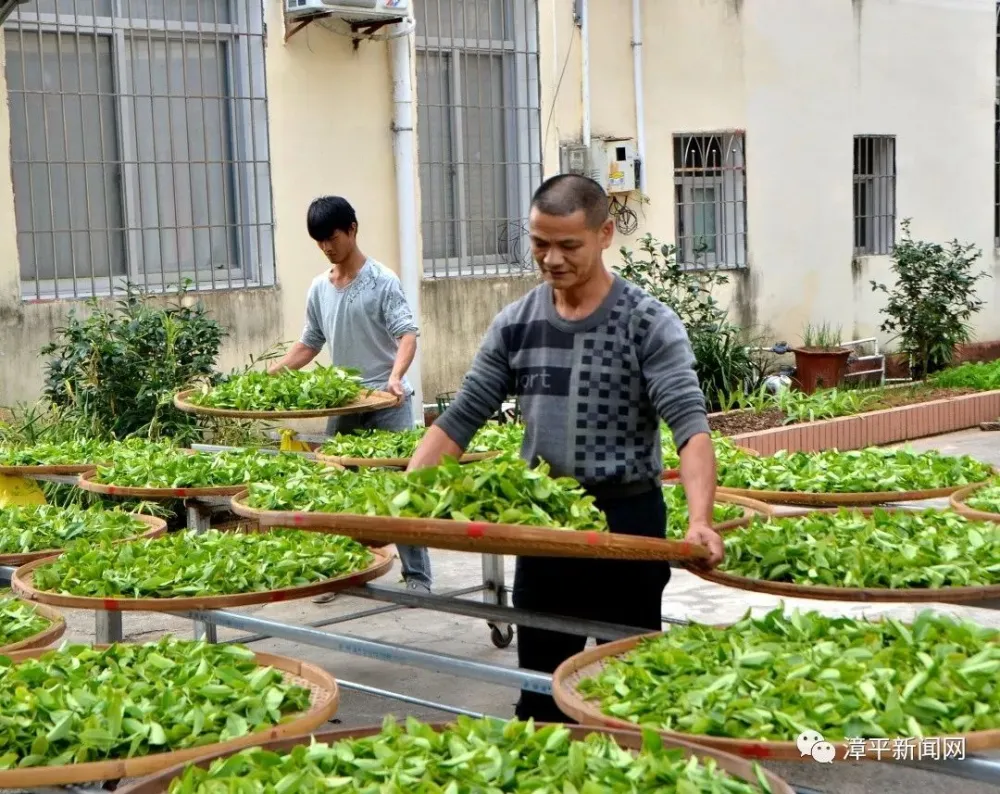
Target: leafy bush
x=723, y=361
x=933, y=300
x=113, y=373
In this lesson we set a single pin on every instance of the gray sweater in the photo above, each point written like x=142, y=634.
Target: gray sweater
x=592, y=392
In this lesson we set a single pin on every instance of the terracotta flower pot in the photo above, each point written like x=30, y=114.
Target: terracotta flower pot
x=819, y=368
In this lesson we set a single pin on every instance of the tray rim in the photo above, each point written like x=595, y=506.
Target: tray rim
x=94, y=771
x=940, y=595
x=851, y=499
x=377, y=401
x=44, y=638
x=155, y=527
x=473, y=536
x=346, y=462
x=959, y=503
x=66, y=469
x=630, y=739
x=575, y=706
x=22, y=584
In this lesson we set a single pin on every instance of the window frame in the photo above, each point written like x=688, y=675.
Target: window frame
x=521, y=141
x=244, y=67
x=882, y=171
x=729, y=178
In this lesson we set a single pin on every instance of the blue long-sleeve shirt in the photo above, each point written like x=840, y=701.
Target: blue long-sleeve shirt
x=592, y=392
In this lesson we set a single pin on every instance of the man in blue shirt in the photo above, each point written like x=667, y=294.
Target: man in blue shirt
x=357, y=307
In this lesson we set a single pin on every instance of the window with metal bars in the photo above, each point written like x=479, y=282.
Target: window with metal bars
x=874, y=194
x=710, y=200
x=478, y=127
x=139, y=145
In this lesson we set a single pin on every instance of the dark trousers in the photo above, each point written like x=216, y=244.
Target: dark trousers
x=627, y=593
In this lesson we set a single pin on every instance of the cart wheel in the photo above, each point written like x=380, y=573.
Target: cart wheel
x=502, y=636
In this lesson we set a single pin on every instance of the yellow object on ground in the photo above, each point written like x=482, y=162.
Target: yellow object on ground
x=19, y=491
x=289, y=442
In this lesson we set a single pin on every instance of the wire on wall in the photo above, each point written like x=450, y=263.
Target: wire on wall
x=626, y=220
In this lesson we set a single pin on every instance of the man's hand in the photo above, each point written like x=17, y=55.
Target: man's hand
x=395, y=388
x=704, y=535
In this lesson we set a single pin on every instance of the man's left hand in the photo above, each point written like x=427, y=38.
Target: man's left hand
x=704, y=535
x=395, y=388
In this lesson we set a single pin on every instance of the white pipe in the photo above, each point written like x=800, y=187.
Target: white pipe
x=404, y=153
x=640, y=96
x=585, y=68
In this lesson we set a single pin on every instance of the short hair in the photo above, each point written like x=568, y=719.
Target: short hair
x=329, y=214
x=565, y=194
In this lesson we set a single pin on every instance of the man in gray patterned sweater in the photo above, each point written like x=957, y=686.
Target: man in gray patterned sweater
x=596, y=363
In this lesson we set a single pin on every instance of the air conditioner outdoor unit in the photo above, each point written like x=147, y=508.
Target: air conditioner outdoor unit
x=356, y=11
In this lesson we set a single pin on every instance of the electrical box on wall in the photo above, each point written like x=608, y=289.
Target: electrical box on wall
x=613, y=164
x=574, y=158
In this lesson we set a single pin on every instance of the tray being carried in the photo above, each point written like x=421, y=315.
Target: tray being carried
x=22, y=583
x=959, y=503
x=813, y=499
x=673, y=475
x=323, y=705
x=390, y=463
x=476, y=536
x=629, y=740
x=943, y=595
x=45, y=637
x=590, y=662
x=367, y=401
x=155, y=528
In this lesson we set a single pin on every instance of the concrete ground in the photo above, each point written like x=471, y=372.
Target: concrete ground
x=686, y=597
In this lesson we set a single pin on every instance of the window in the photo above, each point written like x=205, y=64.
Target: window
x=139, y=145
x=478, y=126
x=711, y=200
x=874, y=194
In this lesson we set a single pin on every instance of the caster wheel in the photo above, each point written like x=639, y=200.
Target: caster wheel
x=503, y=636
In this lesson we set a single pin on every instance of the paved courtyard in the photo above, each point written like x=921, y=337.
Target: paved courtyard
x=686, y=597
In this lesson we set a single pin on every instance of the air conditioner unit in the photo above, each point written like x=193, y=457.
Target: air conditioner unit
x=355, y=11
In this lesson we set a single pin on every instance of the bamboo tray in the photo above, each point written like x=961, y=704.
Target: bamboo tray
x=87, y=483
x=22, y=583
x=942, y=595
x=325, y=698
x=590, y=662
x=959, y=503
x=41, y=471
x=812, y=499
x=477, y=537
x=670, y=475
x=370, y=401
x=630, y=740
x=390, y=463
x=45, y=637
x=155, y=528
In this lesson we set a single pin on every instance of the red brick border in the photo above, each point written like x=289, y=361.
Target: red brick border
x=877, y=428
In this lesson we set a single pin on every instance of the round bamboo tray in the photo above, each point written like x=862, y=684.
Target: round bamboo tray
x=751, y=508
x=325, y=698
x=22, y=583
x=629, y=740
x=943, y=595
x=591, y=661
x=87, y=483
x=390, y=463
x=478, y=537
x=959, y=503
x=155, y=528
x=671, y=475
x=44, y=638
x=368, y=401
x=41, y=471
x=812, y=499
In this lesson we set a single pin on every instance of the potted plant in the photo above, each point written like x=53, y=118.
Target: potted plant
x=821, y=362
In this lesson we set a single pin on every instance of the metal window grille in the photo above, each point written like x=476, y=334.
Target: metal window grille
x=874, y=194
x=478, y=126
x=139, y=145
x=710, y=180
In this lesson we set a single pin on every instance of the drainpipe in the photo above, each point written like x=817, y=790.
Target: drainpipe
x=640, y=97
x=585, y=68
x=404, y=152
